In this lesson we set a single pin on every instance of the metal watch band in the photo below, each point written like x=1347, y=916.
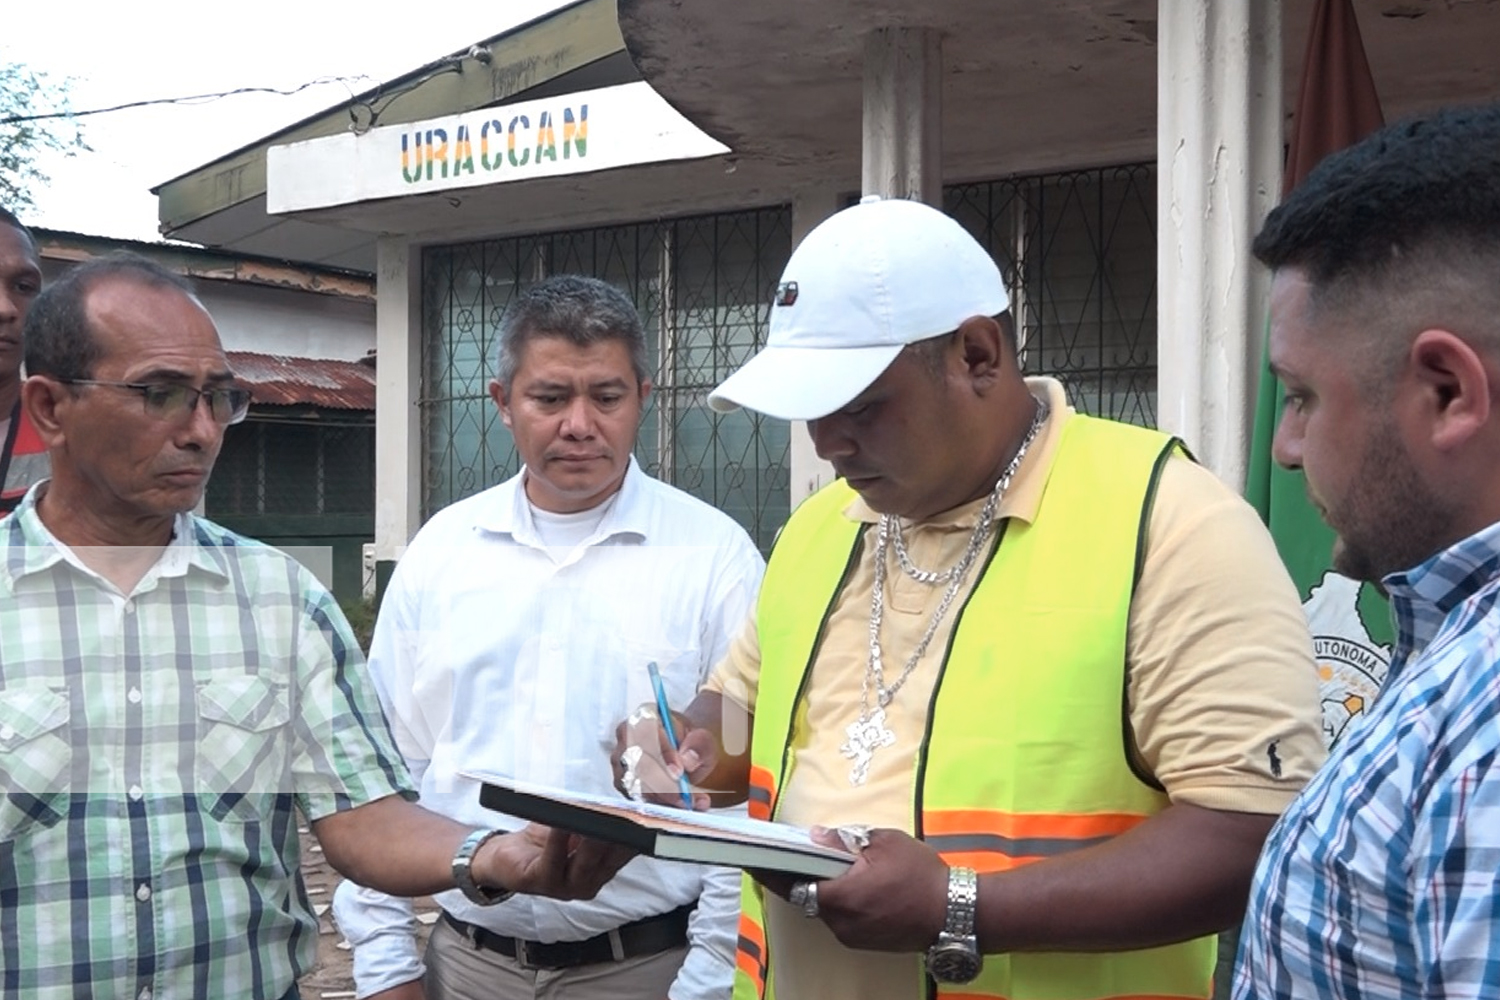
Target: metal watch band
x=463, y=877
x=963, y=901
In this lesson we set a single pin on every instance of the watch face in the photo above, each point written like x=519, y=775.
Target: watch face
x=953, y=962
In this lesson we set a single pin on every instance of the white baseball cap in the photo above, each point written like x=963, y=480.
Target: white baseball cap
x=861, y=286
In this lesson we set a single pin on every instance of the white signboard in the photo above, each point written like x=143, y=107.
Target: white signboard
x=570, y=134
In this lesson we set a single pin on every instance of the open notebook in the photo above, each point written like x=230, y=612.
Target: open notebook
x=663, y=832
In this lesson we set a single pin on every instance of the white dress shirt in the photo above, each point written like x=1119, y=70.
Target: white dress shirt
x=494, y=652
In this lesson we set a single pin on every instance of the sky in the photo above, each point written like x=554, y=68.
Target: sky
x=115, y=53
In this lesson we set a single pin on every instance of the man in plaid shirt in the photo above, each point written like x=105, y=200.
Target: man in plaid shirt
x=1382, y=880
x=172, y=694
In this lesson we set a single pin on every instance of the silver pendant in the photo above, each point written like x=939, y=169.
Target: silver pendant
x=866, y=735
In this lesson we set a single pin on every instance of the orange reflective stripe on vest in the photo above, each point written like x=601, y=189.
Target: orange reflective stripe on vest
x=750, y=955
x=762, y=792
x=990, y=840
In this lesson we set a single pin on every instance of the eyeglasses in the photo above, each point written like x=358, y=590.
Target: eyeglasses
x=172, y=400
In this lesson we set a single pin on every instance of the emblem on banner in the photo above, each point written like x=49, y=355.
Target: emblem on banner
x=1351, y=665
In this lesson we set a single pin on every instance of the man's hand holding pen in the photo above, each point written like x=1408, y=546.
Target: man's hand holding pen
x=649, y=768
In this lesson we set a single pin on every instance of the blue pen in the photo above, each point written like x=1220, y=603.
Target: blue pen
x=666, y=722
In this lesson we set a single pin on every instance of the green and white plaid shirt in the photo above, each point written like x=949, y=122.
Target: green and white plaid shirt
x=153, y=746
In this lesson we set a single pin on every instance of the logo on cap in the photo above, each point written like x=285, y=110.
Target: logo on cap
x=786, y=293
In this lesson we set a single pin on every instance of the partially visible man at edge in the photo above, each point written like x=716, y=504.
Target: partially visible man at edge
x=23, y=457
x=1382, y=881
x=1056, y=664
x=172, y=693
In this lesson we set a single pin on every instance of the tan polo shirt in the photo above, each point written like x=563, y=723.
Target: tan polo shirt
x=1221, y=664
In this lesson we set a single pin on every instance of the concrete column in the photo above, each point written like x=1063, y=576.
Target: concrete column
x=398, y=380
x=903, y=114
x=1218, y=154
x=809, y=473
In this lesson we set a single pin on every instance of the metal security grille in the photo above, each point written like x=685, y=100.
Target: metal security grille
x=703, y=286
x=1079, y=253
x=1078, y=250
x=294, y=467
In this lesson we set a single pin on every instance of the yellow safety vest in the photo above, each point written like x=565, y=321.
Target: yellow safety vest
x=1025, y=755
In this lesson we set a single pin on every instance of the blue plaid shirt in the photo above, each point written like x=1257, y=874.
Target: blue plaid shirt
x=1382, y=880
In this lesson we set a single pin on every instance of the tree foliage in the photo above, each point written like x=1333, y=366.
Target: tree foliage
x=35, y=120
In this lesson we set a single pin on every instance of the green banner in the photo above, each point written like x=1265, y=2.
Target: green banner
x=1351, y=623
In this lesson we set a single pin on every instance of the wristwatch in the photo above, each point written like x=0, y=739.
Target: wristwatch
x=955, y=957
x=464, y=878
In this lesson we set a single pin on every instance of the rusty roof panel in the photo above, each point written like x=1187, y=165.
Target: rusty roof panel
x=279, y=380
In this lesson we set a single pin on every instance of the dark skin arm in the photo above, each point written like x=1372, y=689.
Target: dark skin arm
x=720, y=777
x=1181, y=874
x=398, y=847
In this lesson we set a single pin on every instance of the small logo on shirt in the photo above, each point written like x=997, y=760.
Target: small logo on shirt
x=786, y=293
x=1273, y=758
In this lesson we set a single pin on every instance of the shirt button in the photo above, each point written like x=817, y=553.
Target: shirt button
x=135, y=795
x=130, y=607
x=133, y=696
x=7, y=733
x=143, y=892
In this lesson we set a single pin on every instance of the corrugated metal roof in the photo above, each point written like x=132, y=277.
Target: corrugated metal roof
x=278, y=380
x=207, y=264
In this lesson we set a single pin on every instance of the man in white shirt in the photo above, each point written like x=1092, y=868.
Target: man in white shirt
x=515, y=633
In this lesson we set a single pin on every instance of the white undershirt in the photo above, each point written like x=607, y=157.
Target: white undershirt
x=563, y=533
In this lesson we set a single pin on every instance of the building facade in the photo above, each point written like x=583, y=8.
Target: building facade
x=1115, y=156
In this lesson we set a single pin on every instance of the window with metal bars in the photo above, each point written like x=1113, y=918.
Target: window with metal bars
x=294, y=467
x=703, y=287
x=1077, y=249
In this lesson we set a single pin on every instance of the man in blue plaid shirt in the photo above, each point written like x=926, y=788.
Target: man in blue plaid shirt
x=172, y=694
x=1382, y=880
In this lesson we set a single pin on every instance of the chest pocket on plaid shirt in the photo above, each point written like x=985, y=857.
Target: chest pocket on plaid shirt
x=244, y=746
x=36, y=755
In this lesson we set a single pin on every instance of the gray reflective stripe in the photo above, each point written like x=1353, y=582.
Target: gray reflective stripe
x=1015, y=847
x=760, y=794
x=25, y=470
x=750, y=948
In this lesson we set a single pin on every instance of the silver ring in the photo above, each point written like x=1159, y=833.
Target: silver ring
x=855, y=837
x=804, y=895
x=630, y=782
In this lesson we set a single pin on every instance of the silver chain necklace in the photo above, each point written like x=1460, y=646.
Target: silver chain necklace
x=869, y=732
x=911, y=569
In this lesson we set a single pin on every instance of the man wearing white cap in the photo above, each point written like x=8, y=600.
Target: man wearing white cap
x=1055, y=665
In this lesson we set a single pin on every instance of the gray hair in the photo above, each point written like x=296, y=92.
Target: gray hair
x=578, y=309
